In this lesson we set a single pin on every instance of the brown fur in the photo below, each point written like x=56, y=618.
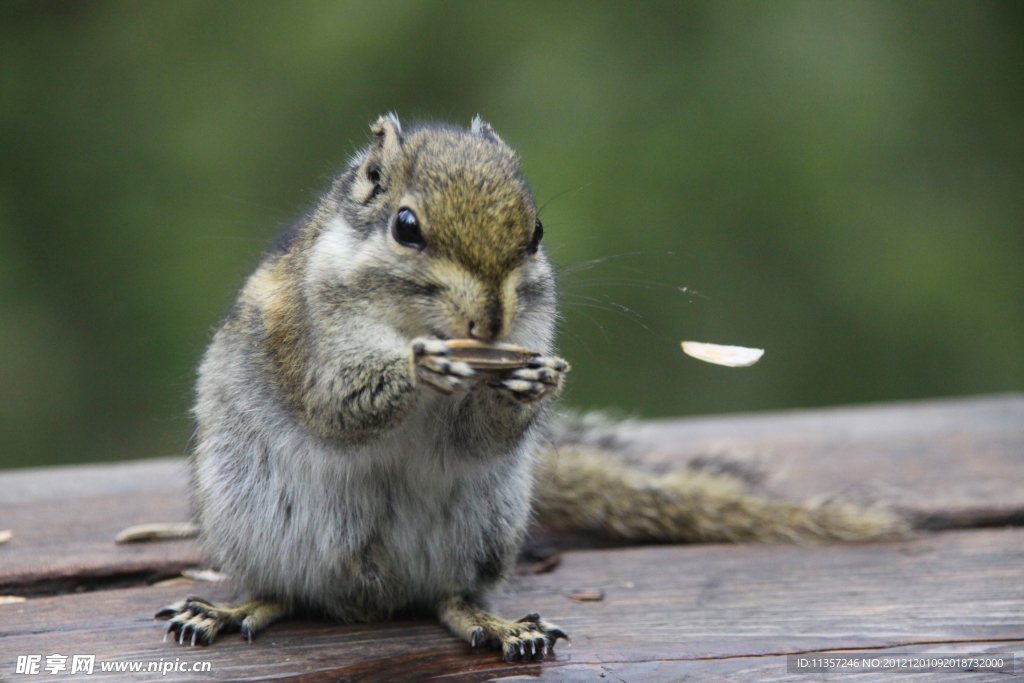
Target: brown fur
x=347, y=464
x=589, y=488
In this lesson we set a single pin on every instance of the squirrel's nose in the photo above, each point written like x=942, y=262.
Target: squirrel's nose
x=486, y=323
x=485, y=331
x=478, y=331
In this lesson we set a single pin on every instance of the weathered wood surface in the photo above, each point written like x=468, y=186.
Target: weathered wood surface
x=64, y=520
x=668, y=611
x=728, y=612
x=954, y=463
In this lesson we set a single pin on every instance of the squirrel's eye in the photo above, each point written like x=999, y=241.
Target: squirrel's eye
x=406, y=230
x=538, y=233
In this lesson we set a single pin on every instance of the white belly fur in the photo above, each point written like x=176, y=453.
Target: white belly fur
x=356, y=532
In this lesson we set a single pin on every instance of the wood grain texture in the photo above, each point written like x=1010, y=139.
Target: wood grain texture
x=64, y=520
x=952, y=463
x=731, y=611
x=716, y=612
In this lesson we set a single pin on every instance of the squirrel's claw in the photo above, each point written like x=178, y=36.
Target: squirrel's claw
x=193, y=619
x=541, y=379
x=198, y=621
x=429, y=346
x=435, y=369
x=530, y=639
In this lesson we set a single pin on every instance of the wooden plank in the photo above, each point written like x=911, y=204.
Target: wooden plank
x=64, y=520
x=731, y=611
x=953, y=463
x=738, y=669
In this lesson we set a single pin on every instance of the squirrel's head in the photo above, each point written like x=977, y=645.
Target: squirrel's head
x=438, y=230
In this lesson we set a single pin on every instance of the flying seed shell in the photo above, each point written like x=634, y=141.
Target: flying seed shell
x=5, y=535
x=729, y=356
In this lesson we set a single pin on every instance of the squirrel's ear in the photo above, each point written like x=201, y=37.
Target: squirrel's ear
x=376, y=167
x=484, y=130
x=387, y=131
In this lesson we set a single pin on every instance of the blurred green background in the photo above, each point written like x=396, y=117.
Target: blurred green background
x=842, y=183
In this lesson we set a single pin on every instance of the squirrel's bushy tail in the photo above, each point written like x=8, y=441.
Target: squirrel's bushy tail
x=586, y=487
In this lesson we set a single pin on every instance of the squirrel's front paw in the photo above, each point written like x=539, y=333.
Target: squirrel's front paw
x=435, y=369
x=543, y=377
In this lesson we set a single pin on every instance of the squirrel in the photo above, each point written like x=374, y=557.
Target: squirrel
x=346, y=464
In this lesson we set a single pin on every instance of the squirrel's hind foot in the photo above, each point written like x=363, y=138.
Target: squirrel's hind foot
x=529, y=639
x=197, y=621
